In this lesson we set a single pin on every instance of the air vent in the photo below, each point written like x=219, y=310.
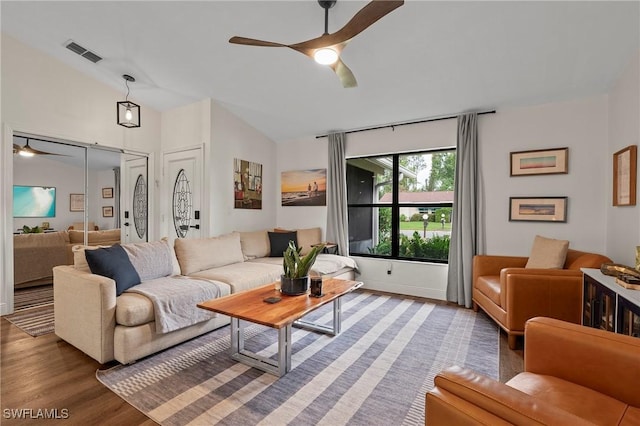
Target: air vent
x=87, y=54
x=92, y=57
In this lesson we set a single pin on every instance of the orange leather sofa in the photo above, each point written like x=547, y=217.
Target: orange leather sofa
x=511, y=294
x=574, y=375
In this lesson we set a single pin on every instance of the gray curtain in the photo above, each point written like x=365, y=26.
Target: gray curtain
x=337, y=225
x=116, y=198
x=467, y=234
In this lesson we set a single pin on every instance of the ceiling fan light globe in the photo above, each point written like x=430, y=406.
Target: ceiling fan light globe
x=25, y=153
x=325, y=56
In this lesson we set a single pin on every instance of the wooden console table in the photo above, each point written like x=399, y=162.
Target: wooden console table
x=609, y=306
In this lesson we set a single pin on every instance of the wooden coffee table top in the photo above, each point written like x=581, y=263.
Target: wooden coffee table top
x=250, y=305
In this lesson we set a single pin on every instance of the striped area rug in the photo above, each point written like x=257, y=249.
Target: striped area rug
x=33, y=310
x=375, y=372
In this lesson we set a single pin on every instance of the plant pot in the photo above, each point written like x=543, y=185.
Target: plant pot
x=294, y=286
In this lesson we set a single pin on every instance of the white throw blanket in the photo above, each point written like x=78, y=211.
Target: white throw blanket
x=330, y=263
x=175, y=298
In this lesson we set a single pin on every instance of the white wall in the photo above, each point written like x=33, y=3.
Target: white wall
x=304, y=154
x=43, y=97
x=224, y=137
x=623, y=223
x=234, y=138
x=413, y=278
x=580, y=125
x=99, y=179
x=67, y=180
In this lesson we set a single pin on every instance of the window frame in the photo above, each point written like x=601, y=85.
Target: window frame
x=395, y=206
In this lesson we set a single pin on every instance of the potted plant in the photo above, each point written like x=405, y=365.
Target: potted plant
x=295, y=279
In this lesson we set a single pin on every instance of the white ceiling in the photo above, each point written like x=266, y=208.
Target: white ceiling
x=425, y=59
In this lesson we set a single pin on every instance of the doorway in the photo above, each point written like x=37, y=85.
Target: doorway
x=87, y=189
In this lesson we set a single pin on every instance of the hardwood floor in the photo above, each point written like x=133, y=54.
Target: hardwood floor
x=45, y=372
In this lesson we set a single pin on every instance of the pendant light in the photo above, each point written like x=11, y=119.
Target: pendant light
x=128, y=112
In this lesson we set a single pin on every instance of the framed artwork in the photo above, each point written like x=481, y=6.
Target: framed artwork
x=247, y=184
x=76, y=202
x=540, y=162
x=107, y=192
x=538, y=209
x=107, y=211
x=625, y=167
x=304, y=187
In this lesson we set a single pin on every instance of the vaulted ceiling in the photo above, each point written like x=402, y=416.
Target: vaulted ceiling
x=425, y=59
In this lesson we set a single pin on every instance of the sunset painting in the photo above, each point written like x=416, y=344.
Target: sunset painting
x=304, y=187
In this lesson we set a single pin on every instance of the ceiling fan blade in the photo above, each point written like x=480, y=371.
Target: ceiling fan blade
x=38, y=152
x=344, y=74
x=362, y=20
x=254, y=42
x=17, y=149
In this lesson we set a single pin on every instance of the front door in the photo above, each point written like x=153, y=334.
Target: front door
x=182, y=193
x=134, y=210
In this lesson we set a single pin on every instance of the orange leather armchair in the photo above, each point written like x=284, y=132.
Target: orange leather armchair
x=511, y=294
x=574, y=375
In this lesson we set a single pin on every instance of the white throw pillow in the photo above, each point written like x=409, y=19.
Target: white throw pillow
x=548, y=253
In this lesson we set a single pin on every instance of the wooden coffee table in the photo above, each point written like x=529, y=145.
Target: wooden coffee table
x=250, y=306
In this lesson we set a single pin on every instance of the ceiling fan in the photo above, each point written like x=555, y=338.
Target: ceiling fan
x=326, y=49
x=27, y=151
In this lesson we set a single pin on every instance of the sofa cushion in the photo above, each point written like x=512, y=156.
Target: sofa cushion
x=80, y=259
x=133, y=309
x=205, y=253
x=279, y=241
x=489, y=285
x=151, y=259
x=547, y=253
x=305, y=238
x=255, y=244
x=308, y=237
x=243, y=276
x=585, y=403
x=113, y=262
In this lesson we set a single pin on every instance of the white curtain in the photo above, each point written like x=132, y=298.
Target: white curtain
x=337, y=225
x=467, y=233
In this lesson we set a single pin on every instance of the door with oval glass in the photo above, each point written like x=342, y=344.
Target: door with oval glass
x=135, y=199
x=182, y=171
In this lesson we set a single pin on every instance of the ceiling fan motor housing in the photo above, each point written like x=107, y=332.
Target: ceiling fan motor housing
x=327, y=4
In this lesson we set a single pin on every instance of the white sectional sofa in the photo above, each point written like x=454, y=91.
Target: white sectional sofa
x=93, y=316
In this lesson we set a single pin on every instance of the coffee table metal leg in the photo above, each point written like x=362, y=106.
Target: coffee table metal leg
x=278, y=367
x=335, y=328
x=284, y=350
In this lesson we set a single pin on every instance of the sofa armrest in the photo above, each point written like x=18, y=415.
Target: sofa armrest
x=527, y=293
x=600, y=360
x=492, y=265
x=85, y=311
x=486, y=401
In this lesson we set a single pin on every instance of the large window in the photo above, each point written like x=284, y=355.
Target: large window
x=400, y=205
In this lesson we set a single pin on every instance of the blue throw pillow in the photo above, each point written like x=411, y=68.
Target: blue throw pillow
x=113, y=262
x=279, y=242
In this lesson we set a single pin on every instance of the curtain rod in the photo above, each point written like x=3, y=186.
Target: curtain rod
x=426, y=120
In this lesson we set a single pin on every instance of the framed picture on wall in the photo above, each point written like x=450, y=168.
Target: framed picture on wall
x=625, y=165
x=107, y=211
x=107, y=192
x=76, y=202
x=538, y=209
x=540, y=162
